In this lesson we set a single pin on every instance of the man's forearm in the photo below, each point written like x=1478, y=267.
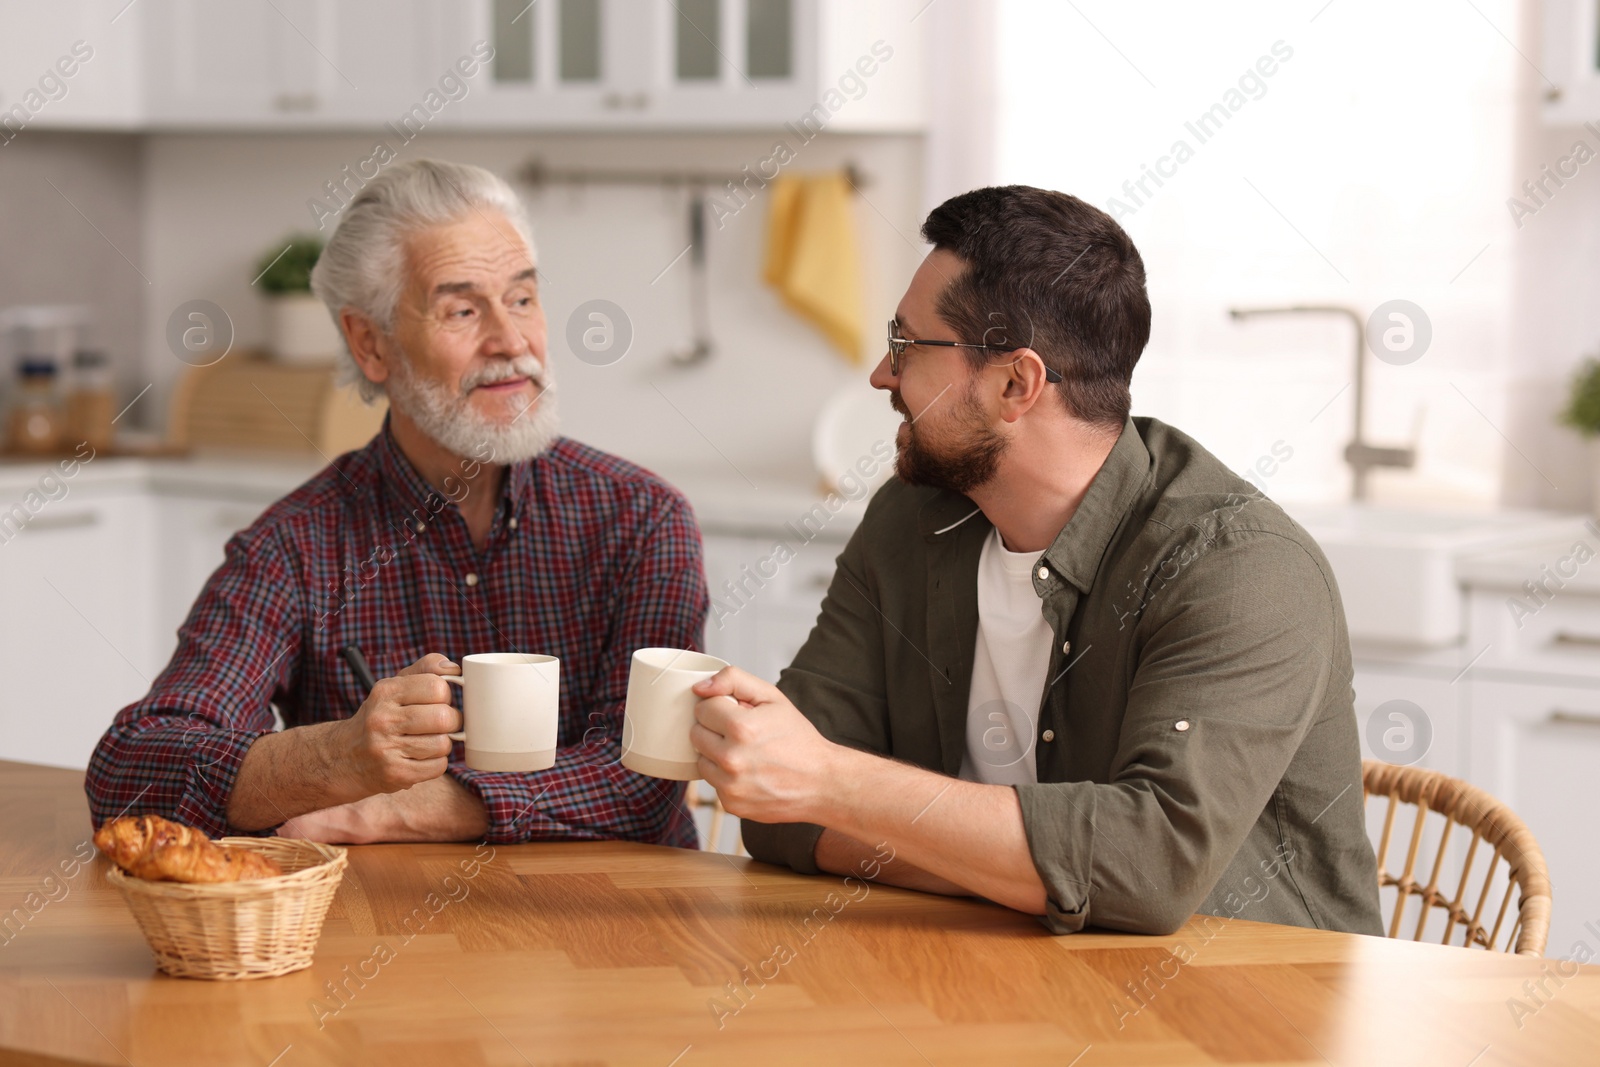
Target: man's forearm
x=439, y=810
x=960, y=832
x=286, y=774
x=839, y=853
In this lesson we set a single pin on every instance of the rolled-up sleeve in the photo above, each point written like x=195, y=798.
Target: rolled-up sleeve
x=1234, y=665
x=177, y=751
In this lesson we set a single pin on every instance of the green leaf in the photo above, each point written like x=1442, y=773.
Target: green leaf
x=289, y=270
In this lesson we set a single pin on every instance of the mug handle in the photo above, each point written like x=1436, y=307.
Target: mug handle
x=461, y=734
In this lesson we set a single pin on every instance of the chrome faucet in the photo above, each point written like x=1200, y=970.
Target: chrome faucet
x=1360, y=455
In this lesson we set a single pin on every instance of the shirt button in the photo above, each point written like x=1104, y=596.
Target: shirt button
x=512, y=522
x=421, y=526
x=1181, y=725
x=1066, y=647
x=472, y=579
x=1048, y=735
x=1044, y=572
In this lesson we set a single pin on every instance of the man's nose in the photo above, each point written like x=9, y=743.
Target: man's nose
x=881, y=378
x=504, y=337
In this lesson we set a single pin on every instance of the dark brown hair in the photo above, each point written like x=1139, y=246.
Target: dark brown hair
x=1047, y=271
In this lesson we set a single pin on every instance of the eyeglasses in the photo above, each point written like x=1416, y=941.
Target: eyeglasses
x=898, y=346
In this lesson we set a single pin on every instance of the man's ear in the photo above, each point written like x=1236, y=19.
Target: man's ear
x=1025, y=382
x=368, y=345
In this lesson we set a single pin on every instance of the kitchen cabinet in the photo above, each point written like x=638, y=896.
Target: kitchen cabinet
x=763, y=610
x=1536, y=748
x=557, y=64
x=76, y=638
x=68, y=64
x=688, y=64
x=1411, y=716
x=635, y=63
x=1571, y=62
x=97, y=580
x=294, y=63
x=1552, y=637
x=192, y=532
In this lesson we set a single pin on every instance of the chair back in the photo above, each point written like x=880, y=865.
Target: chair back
x=1501, y=851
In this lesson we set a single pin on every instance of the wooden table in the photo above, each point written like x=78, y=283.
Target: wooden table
x=631, y=954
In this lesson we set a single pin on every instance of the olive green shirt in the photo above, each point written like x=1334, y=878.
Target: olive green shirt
x=1196, y=742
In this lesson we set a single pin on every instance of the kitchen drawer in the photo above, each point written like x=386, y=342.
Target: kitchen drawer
x=1560, y=638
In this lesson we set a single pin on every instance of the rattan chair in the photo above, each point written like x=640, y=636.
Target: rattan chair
x=1495, y=830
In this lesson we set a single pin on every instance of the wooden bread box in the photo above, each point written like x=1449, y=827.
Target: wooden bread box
x=248, y=402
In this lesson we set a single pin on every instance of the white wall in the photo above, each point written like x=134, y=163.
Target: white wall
x=215, y=202
x=1374, y=166
x=1555, y=298
x=70, y=215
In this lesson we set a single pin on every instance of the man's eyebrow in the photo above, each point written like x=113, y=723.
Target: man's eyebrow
x=447, y=288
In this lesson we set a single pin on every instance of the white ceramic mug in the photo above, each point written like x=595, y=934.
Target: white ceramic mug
x=660, y=712
x=511, y=710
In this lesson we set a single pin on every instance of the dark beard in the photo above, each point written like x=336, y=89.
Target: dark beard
x=973, y=463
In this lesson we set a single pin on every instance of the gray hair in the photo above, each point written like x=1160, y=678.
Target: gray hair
x=363, y=265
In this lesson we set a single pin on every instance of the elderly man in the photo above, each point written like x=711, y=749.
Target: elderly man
x=1069, y=662
x=466, y=525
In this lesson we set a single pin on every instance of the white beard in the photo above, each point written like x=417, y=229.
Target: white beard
x=449, y=419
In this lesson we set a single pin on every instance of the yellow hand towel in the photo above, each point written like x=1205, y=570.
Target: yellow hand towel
x=812, y=257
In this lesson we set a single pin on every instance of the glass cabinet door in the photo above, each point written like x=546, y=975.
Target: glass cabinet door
x=710, y=36
x=513, y=29
x=769, y=38
x=534, y=45
x=579, y=29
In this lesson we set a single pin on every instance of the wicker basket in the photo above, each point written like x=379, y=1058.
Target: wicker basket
x=233, y=930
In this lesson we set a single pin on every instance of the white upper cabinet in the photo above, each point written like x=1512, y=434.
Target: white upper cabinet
x=70, y=63
x=475, y=64
x=296, y=63
x=227, y=62
x=696, y=64
x=1571, y=61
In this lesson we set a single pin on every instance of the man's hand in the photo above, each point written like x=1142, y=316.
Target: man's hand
x=768, y=763
x=398, y=738
x=400, y=735
x=765, y=759
x=437, y=810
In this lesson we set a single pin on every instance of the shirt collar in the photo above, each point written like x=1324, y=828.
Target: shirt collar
x=1078, y=548
x=413, y=493
x=1081, y=545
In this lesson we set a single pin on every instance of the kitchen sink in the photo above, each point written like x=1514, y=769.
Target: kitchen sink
x=1396, y=568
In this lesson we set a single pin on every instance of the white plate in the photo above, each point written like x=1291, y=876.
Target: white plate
x=855, y=432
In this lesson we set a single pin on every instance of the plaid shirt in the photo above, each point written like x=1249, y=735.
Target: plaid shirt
x=588, y=559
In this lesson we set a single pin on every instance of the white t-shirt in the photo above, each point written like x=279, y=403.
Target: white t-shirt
x=1008, y=669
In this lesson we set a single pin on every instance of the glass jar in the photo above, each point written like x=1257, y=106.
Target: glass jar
x=91, y=400
x=36, y=423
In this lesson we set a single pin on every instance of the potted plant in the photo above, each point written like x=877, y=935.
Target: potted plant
x=1583, y=414
x=299, y=329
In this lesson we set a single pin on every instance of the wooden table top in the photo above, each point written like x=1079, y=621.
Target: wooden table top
x=609, y=953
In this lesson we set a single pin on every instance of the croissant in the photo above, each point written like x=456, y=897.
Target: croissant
x=152, y=848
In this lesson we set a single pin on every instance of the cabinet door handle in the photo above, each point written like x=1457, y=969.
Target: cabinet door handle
x=291, y=102
x=235, y=520
x=1575, y=718
x=1579, y=640
x=68, y=521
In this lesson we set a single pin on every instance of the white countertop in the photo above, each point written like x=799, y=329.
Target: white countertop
x=235, y=476
x=1510, y=568
x=725, y=502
